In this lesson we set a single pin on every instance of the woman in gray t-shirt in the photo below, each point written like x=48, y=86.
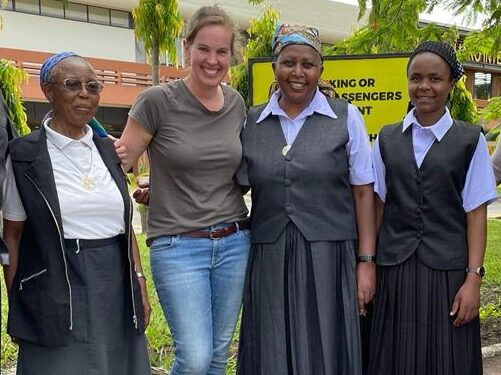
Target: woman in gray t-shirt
x=197, y=228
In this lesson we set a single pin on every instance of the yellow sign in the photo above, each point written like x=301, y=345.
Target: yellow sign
x=376, y=84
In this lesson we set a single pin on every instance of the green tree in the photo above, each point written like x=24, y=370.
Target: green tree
x=157, y=24
x=471, y=9
x=260, y=33
x=493, y=110
x=11, y=79
x=485, y=40
x=393, y=26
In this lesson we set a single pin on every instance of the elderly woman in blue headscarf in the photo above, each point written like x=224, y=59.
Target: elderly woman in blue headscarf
x=77, y=295
x=307, y=160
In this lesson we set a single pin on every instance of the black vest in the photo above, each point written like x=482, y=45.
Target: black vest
x=309, y=185
x=41, y=313
x=423, y=211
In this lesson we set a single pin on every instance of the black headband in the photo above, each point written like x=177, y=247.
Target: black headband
x=446, y=52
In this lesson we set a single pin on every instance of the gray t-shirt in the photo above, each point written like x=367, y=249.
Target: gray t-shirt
x=194, y=154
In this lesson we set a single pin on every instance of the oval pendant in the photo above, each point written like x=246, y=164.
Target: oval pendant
x=286, y=149
x=88, y=183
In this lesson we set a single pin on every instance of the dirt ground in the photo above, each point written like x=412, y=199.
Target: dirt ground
x=490, y=331
x=492, y=366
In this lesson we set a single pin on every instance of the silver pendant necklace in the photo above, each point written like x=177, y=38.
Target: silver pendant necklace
x=88, y=183
x=286, y=149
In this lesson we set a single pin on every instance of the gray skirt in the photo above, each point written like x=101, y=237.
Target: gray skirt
x=103, y=340
x=300, y=313
x=412, y=331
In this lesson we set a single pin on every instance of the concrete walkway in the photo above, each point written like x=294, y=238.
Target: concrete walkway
x=492, y=365
x=494, y=211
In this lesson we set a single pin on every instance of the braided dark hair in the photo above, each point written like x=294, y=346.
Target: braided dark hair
x=445, y=51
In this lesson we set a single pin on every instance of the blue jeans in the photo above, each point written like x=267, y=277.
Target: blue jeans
x=199, y=282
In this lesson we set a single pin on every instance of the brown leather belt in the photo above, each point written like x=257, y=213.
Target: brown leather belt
x=219, y=231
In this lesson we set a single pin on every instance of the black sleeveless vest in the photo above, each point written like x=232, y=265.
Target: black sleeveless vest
x=423, y=210
x=308, y=186
x=41, y=313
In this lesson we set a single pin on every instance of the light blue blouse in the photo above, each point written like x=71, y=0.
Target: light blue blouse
x=358, y=147
x=480, y=186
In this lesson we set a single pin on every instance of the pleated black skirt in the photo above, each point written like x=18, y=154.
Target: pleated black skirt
x=103, y=340
x=300, y=313
x=412, y=332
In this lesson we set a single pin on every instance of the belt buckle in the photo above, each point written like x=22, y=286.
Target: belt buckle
x=211, y=234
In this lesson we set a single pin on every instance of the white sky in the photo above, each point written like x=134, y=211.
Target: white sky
x=439, y=15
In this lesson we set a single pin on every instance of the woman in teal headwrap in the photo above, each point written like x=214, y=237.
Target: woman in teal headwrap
x=307, y=161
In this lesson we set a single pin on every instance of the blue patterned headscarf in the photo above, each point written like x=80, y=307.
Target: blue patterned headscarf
x=286, y=34
x=51, y=62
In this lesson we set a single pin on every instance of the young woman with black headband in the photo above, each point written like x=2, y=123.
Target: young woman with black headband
x=433, y=181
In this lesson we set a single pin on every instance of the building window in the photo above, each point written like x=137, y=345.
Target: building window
x=73, y=11
x=52, y=8
x=99, y=15
x=28, y=6
x=8, y=5
x=482, y=86
x=77, y=12
x=120, y=18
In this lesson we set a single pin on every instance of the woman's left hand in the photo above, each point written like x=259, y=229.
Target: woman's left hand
x=366, y=284
x=467, y=301
x=146, y=302
x=120, y=149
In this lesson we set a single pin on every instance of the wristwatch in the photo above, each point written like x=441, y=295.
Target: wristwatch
x=480, y=271
x=366, y=259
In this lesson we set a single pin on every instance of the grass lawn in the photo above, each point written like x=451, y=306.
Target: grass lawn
x=493, y=255
x=490, y=311
x=161, y=349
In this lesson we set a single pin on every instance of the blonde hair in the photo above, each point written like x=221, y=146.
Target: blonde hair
x=210, y=15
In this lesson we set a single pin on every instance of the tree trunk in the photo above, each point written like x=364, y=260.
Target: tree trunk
x=155, y=66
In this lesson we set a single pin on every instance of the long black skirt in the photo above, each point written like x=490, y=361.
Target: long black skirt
x=300, y=313
x=103, y=340
x=412, y=332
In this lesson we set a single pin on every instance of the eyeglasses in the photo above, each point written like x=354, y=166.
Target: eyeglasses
x=75, y=85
